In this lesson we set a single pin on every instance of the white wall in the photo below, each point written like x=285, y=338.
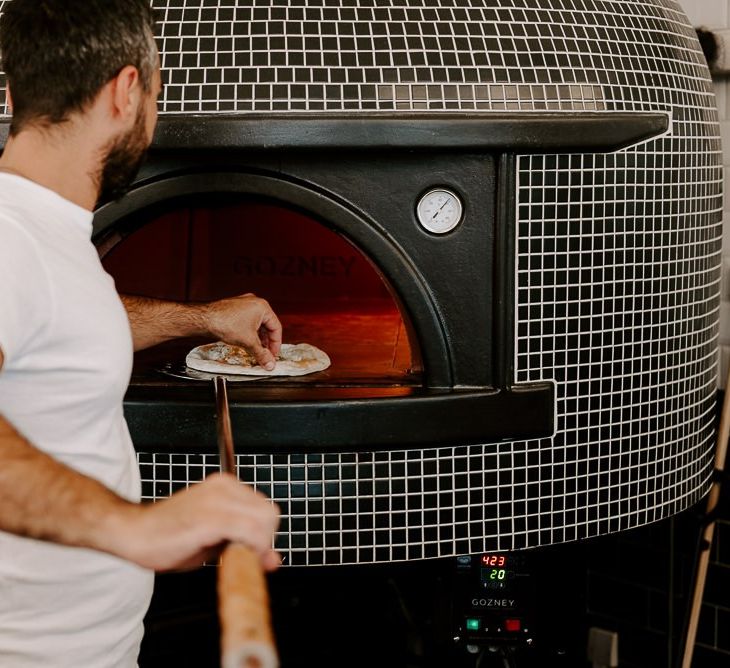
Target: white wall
x=716, y=14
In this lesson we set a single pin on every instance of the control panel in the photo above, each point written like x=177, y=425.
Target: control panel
x=494, y=600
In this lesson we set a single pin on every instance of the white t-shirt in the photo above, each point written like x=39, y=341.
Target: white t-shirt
x=68, y=351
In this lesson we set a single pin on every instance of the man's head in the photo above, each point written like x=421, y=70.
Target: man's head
x=58, y=54
x=71, y=59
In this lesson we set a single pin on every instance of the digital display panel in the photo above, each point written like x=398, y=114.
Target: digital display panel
x=497, y=560
x=495, y=570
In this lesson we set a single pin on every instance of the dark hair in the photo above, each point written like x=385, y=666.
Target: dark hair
x=58, y=54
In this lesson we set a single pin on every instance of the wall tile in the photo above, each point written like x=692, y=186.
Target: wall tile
x=706, y=628
x=717, y=585
x=659, y=612
x=709, y=658
x=631, y=607
x=645, y=650
x=723, y=540
x=723, y=630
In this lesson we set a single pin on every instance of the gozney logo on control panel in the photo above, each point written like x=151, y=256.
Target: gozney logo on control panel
x=493, y=602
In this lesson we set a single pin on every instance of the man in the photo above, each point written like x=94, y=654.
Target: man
x=77, y=550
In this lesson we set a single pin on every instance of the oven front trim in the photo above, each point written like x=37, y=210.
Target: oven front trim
x=443, y=412
x=518, y=132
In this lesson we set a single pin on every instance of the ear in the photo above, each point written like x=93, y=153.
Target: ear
x=126, y=91
x=8, y=98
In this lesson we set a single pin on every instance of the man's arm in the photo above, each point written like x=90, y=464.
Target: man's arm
x=245, y=321
x=44, y=499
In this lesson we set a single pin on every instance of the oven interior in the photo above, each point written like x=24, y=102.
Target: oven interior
x=325, y=291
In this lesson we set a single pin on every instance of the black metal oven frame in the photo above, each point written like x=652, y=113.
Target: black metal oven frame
x=457, y=290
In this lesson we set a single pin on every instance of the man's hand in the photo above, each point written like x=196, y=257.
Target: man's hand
x=249, y=322
x=193, y=525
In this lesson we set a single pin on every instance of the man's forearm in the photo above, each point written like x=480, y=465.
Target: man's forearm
x=154, y=321
x=244, y=320
x=44, y=499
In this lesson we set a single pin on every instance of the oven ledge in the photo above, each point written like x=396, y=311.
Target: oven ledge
x=333, y=422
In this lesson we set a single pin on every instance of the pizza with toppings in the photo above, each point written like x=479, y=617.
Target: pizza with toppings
x=293, y=360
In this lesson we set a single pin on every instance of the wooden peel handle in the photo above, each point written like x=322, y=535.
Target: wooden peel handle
x=247, y=639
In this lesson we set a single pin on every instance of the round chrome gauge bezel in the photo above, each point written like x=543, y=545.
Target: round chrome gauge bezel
x=427, y=210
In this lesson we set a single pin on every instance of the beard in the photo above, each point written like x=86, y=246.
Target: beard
x=122, y=160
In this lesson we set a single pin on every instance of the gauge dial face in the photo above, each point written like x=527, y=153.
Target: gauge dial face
x=439, y=211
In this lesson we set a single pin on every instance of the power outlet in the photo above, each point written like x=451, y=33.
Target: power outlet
x=603, y=648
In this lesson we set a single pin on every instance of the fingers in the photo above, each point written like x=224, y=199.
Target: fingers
x=271, y=561
x=249, y=322
x=272, y=329
x=245, y=515
x=198, y=560
x=267, y=344
x=192, y=525
x=263, y=356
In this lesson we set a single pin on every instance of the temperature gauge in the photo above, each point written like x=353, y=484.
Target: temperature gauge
x=439, y=211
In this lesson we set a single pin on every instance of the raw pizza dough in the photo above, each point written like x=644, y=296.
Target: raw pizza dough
x=293, y=360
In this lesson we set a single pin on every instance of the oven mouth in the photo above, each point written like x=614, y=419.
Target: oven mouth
x=325, y=290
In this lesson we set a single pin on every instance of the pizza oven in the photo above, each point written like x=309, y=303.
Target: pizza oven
x=534, y=362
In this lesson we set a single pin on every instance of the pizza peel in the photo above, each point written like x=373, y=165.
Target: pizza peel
x=247, y=639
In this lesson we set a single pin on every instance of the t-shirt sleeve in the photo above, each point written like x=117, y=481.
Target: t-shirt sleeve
x=25, y=296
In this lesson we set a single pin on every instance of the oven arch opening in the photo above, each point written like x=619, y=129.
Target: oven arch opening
x=324, y=290
x=389, y=285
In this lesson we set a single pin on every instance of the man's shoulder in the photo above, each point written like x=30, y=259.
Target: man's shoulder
x=23, y=261
x=26, y=291
x=16, y=231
